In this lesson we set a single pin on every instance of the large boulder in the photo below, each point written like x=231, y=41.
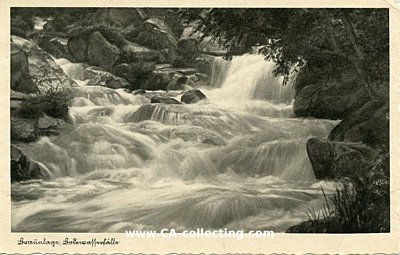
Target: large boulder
x=56, y=46
x=159, y=27
x=333, y=101
x=189, y=44
x=77, y=47
x=20, y=77
x=369, y=125
x=23, y=168
x=101, y=52
x=136, y=52
x=157, y=35
x=336, y=159
x=43, y=71
x=143, y=113
x=123, y=17
x=99, y=77
x=23, y=130
x=193, y=96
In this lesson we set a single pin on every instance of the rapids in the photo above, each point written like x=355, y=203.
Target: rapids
x=236, y=161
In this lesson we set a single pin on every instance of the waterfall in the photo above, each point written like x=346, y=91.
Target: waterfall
x=250, y=76
x=237, y=160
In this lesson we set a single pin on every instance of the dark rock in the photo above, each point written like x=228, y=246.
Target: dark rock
x=23, y=130
x=369, y=125
x=158, y=80
x=20, y=27
x=56, y=46
x=100, y=77
x=189, y=49
x=139, y=92
x=41, y=64
x=333, y=101
x=337, y=159
x=192, y=96
x=16, y=99
x=164, y=100
x=101, y=52
x=123, y=17
x=20, y=77
x=47, y=125
x=23, y=168
x=178, y=82
x=138, y=52
x=309, y=227
x=143, y=113
x=15, y=95
x=138, y=74
x=77, y=47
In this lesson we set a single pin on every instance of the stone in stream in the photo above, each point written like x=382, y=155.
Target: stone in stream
x=23, y=168
x=164, y=100
x=337, y=159
x=99, y=77
x=139, y=92
x=193, y=96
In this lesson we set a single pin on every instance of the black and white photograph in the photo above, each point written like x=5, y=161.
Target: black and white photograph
x=236, y=120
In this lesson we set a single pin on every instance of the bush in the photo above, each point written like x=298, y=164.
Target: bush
x=361, y=206
x=135, y=73
x=53, y=102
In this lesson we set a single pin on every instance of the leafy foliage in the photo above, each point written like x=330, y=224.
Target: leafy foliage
x=50, y=99
x=53, y=102
x=354, y=39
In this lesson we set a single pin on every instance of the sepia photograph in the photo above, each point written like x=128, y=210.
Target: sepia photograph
x=228, y=122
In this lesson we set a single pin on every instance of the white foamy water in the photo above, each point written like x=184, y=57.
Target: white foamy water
x=237, y=160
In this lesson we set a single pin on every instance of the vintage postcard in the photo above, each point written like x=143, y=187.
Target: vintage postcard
x=160, y=127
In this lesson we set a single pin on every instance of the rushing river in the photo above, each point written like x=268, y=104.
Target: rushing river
x=236, y=161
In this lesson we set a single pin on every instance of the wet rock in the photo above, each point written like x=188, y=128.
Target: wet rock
x=101, y=52
x=164, y=100
x=139, y=92
x=143, y=113
x=20, y=76
x=99, y=95
x=333, y=101
x=158, y=80
x=77, y=47
x=100, y=77
x=23, y=130
x=193, y=96
x=178, y=82
x=46, y=73
x=369, y=125
x=337, y=159
x=56, y=46
x=138, y=52
x=23, y=168
x=47, y=125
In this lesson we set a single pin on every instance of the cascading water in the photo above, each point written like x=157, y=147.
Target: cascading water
x=236, y=161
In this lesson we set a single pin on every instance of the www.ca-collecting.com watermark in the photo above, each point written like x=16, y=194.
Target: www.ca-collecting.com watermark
x=200, y=233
